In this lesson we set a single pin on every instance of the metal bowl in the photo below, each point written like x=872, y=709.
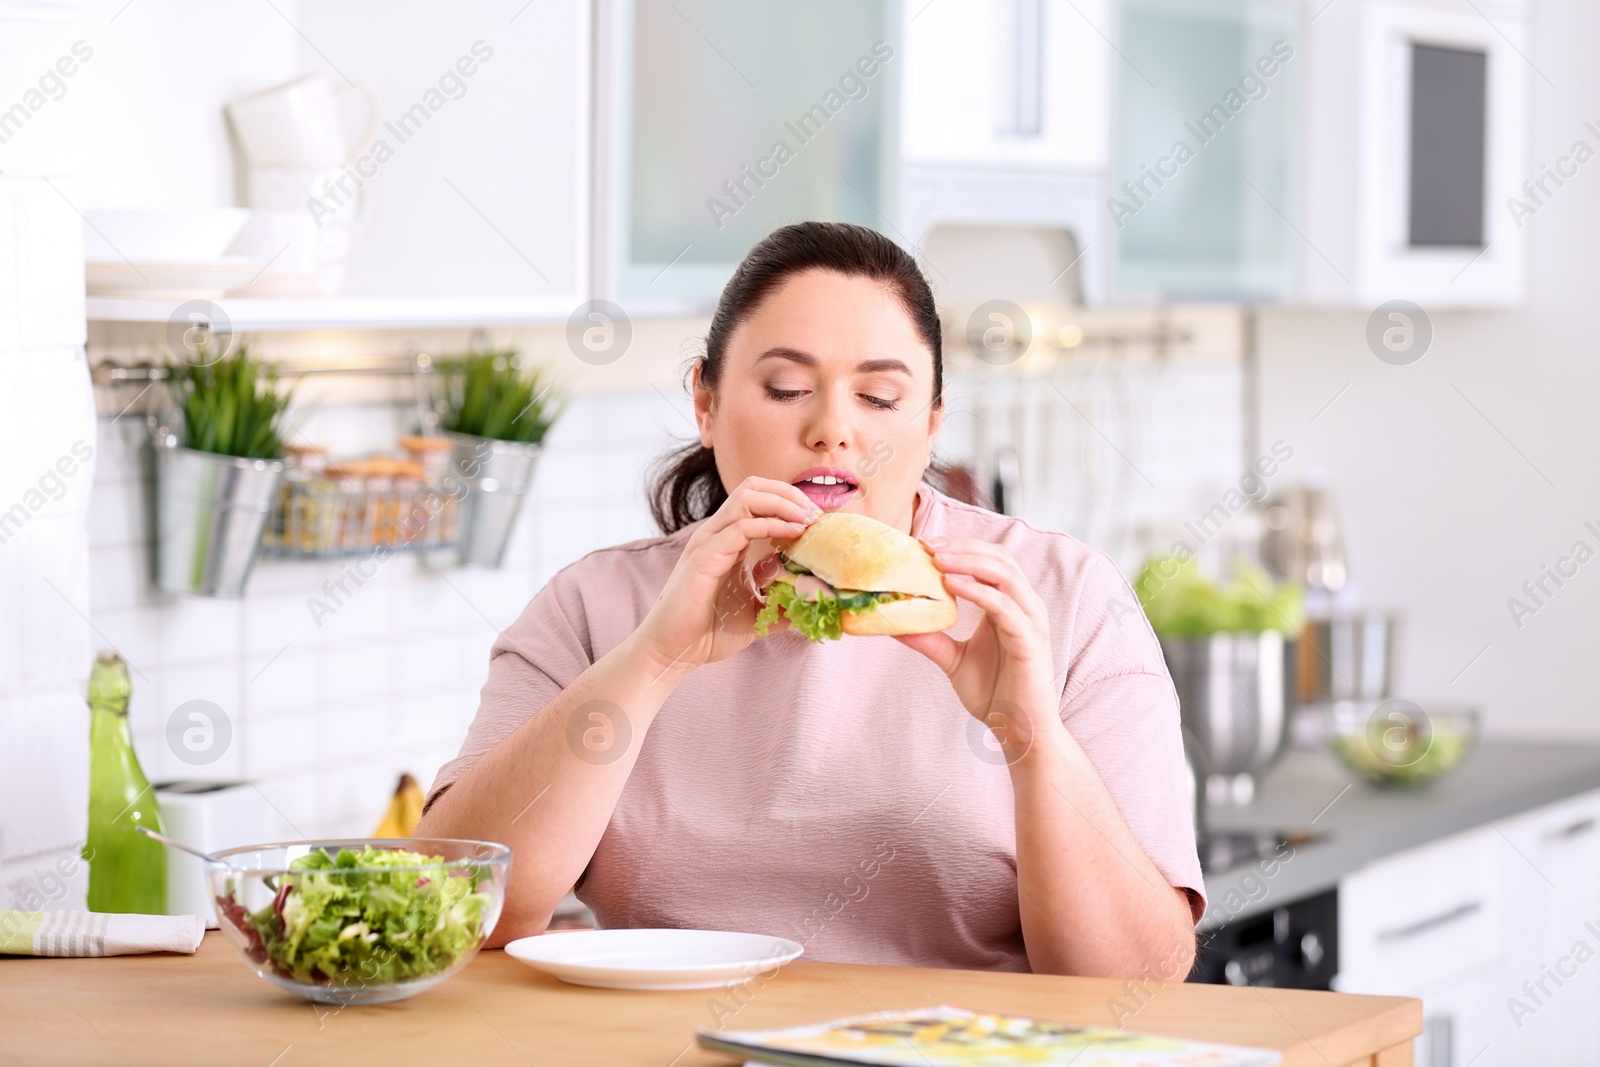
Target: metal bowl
x=1233, y=694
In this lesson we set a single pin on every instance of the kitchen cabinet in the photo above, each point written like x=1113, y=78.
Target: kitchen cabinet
x=1202, y=182
x=1554, y=876
x=1009, y=83
x=1424, y=916
x=1432, y=923
x=1005, y=113
x=1474, y=924
x=1312, y=153
x=719, y=121
x=1415, y=176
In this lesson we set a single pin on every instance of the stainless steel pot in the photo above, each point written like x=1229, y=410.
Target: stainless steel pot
x=211, y=510
x=1345, y=658
x=494, y=476
x=1234, y=698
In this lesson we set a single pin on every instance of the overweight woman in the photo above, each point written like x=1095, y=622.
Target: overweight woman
x=1007, y=795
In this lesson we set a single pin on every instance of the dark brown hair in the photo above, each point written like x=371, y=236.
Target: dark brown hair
x=685, y=486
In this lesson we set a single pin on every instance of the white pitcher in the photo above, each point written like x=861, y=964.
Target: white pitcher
x=298, y=125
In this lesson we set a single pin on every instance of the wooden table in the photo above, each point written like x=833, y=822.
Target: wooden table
x=208, y=1008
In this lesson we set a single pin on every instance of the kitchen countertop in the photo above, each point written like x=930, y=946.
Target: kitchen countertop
x=208, y=1008
x=1312, y=791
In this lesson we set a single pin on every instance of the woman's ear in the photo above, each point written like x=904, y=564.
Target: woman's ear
x=703, y=402
x=935, y=421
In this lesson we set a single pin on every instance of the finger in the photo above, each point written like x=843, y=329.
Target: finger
x=1007, y=616
x=747, y=505
x=951, y=547
x=767, y=496
x=788, y=492
x=944, y=650
x=966, y=546
x=725, y=550
x=1002, y=573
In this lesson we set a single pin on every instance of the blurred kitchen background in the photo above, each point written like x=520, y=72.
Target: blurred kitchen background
x=1304, y=284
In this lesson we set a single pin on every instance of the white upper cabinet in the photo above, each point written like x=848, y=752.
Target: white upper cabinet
x=1293, y=151
x=1007, y=82
x=1203, y=172
x=1415, y=154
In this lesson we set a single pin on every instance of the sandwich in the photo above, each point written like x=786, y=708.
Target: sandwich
x=848, y=574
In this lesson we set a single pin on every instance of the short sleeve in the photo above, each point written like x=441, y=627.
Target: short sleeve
x=1119, y=704
x=530, y=663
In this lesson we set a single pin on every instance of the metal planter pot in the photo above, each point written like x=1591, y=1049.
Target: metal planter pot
x=211, y=510
x=1234, y=695
x=494, y=476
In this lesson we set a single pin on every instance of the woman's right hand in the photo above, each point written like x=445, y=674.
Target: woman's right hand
x=708, y=607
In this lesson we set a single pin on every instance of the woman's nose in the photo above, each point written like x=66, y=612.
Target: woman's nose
x=830, y=429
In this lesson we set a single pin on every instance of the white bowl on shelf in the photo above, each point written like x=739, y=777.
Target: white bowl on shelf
x=161, y=235
x=171, y=279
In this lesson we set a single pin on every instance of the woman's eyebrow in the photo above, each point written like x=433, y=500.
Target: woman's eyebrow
x=870, y=366
x=794, y=355
x=873, y=365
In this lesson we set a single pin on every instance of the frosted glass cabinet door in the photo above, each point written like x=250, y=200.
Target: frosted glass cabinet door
x=732, y=117
x=1202, y=177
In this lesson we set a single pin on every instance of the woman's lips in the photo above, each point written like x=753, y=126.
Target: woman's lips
x=827, y=497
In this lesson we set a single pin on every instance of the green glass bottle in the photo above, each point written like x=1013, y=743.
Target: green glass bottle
x=127, y=870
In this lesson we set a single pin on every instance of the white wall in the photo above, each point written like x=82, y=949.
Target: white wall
x=1460, y=476
x=46, y=465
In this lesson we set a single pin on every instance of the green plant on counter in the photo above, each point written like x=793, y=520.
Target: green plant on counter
x=1181, y=602
x=490, y=395
x=231, y=407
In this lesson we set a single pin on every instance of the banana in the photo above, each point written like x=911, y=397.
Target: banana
x=405, y=810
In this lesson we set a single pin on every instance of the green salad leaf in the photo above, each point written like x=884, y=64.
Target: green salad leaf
x=332, y=921
x=1182, y=602
x=818, y=619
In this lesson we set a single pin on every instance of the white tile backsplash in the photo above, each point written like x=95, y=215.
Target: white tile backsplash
x=325, y=717
x=44, y=770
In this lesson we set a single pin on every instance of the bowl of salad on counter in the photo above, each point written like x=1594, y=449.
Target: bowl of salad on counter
x=359, y=921
x=1400, y=742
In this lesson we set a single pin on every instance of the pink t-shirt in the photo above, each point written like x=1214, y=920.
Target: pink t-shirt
x=839, y=793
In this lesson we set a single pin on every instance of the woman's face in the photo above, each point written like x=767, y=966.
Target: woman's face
x=826, y=386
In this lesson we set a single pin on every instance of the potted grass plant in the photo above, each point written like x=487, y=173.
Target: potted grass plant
x=217, y=480
x=497, y=413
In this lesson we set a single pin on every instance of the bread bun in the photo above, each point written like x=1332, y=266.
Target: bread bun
x=857, y=553
x=918, y=615
x=851, y=551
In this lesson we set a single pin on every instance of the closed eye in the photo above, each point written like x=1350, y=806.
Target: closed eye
x=882, y=403
x=785, y=394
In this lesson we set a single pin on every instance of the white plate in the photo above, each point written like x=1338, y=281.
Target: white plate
x=654, y=959
x=206, y=278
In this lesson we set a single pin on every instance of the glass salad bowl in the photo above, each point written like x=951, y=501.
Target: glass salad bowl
x=1398, y=742
x=359, y=921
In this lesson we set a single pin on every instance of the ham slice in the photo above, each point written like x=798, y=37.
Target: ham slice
x=808, y=586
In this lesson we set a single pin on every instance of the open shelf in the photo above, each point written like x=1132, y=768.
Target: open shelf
x=331, y=313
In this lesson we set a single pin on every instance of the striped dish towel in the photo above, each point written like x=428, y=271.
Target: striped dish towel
x=93, y=933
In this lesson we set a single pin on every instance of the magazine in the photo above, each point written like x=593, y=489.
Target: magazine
x=956, y=1037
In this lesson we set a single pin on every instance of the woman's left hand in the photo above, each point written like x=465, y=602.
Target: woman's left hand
x=1003, y=673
